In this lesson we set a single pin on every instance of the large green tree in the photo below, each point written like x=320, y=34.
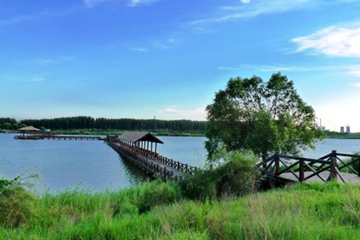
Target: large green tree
x=264, y=117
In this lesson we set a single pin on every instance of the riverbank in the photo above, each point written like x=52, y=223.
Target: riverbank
x=336, y=135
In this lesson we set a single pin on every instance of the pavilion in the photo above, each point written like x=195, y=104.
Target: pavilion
x=141, y=140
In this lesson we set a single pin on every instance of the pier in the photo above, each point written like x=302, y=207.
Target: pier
x=140, y=148
x=57, y=137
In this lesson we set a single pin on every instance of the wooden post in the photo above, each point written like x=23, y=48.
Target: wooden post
x=333, y=165
x=301, y=170
x=277, y=163
x=358, y=166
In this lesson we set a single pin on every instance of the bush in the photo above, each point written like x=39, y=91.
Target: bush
x=17, y=206
x=156, y=193
x=235, y=177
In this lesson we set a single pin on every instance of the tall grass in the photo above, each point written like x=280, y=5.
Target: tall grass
x=158, y=210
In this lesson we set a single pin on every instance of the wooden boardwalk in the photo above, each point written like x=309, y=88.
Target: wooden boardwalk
x=151, y=162
x=71, y=137
x=57, y=137
x=283, y=168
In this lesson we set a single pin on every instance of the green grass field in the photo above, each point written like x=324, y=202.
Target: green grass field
x=222, y=203
x=156, y=211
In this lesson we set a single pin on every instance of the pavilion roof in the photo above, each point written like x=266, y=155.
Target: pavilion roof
x=134, y=137
x=29, y=128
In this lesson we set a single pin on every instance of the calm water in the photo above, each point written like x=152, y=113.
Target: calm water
x=92, y=165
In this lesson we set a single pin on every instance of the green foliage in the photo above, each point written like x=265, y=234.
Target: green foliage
x=261, y=116
x=4, y=183
x=8, y=123
x=337, y=135
x=236, y=177
x=315, y=211
x=17, y=206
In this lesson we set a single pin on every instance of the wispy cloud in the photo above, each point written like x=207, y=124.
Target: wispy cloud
x=17, y=19
x=36, y=16
x=92, y=3
x=137, y=3
x=357, y=85
x=36, y=79
x=177, y=113
x=341, y=41
x=249, y=9
x=45, y=61
x=140, y=49
x=354, y=70
x=277, y=68
x=166, y=44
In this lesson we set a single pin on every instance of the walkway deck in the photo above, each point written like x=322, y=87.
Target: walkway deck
x=57, y=137
x=150, y=162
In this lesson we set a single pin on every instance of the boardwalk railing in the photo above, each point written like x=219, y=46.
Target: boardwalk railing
x=147, y=166
x=148, y=161
x=182, y=167
x=298, y=166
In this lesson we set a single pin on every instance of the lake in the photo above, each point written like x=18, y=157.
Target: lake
x=93, y=165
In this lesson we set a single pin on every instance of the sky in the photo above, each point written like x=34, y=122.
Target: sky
x=165, y=59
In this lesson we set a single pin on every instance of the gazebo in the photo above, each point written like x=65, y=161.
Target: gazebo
x=141, y=140
x=29, y=130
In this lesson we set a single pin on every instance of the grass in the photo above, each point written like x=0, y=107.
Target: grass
x=155, y=211
x=215, y=204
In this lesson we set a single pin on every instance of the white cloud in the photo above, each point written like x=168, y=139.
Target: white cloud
x=45, y=61
x=340, y=41
x=92, y=3
x=277, y=68
x=36, y=79
x=17, y=19
x=357, y=85
x=176, y=113
x=248, y=9
x=254, y=8
x=169, y=43
x=137, y=3
x=354, y=70
x=140, y=49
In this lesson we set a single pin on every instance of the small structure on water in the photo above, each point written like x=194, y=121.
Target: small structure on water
x=29, y=132
x=137, y=147
x=142, y=141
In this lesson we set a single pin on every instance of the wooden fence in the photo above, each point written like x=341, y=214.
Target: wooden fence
x=305, y=168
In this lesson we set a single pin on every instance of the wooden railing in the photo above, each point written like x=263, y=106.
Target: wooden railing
x=183, y=167
x=142, y=157
x=297, y=166
x=144, y=164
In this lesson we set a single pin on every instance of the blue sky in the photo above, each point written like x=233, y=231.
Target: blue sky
x=167, y=58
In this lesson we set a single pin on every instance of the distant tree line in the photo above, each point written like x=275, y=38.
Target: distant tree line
x=9, y=123
x=130, y=124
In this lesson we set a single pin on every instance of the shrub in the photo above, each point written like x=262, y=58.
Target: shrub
x=17, y=206
x=237, y=176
